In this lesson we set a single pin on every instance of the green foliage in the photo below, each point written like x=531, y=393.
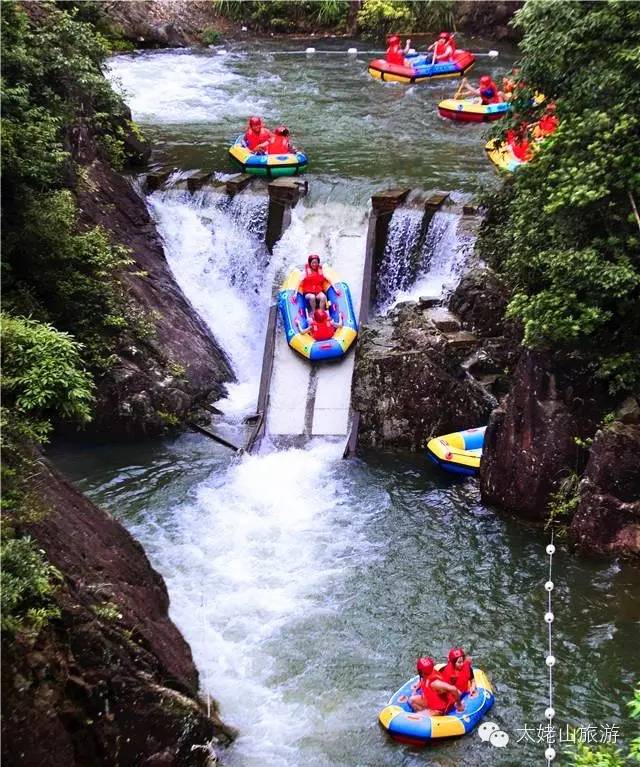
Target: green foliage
x=283, y=16
x=609, y=755
x=377, y=17
x=562, y=230
x=210, y=36
x=564, y=503
x=27, y=587
x=108, y=611
x=58, y=274
x=43, y=373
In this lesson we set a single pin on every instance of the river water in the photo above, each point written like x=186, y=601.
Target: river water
x=307, y=585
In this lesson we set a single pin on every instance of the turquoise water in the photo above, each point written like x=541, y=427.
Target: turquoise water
x=307, y=585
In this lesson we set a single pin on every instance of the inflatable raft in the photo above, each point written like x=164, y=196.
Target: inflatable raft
x=460, y=452
x=417, y=728
x=270, y=165
x=465, y=110
x=500, y=154
x=421, y=69
x=292, y=307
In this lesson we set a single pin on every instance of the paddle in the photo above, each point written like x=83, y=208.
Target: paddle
x=462, y=83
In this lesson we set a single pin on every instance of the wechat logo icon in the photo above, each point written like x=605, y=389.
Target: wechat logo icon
x=491, y=733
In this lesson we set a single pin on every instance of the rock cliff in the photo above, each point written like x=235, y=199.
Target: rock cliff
x=409, y=383
x=536, y=437
x=608, y=516
x=112, y=681
x=167, y=377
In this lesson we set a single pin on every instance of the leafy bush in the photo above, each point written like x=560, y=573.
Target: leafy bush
x=609, y=755
x=562, y=230
x=43, y=373
x=377, y=17
x=210, y=36
x=283, y=16
x=27, y=586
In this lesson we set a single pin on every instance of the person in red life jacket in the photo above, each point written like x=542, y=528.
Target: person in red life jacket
x=444, y=48
x=519, y=143
x=511, y=84
x=432, y=694
x=322, y=327
x=312, y=284
x=487, y=90
x=547, y=123
x=279, y=143
x=459, y=671
x=256, y=137
x=394, y=53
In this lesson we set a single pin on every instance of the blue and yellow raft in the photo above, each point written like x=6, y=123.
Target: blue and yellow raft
x=459, y=452
x=417, y=728
x=270, y=165
x=292, y=307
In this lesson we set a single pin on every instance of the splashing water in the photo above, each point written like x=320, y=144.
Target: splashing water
x=215, y=248
x=442, y=257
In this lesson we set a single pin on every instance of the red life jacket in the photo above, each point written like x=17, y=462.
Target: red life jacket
x=322, y=331
x=394, y=55
x=548, y=123
x=252, y=139
x=312, y=282
x=489, y=94
x=442, y=52
x=279, y=145
x=435, y=699
x=460, y=679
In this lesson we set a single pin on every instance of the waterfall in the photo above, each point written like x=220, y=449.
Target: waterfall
x=422, y=263
x=401, y=254
x=215, y=247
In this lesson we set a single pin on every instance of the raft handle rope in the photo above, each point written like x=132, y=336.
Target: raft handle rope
x=550, y=753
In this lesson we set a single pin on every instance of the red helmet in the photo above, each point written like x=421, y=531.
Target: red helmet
x=311, y=257
x=444, y=35
x=455, y=653
x=320, y=315
x=281, y=130
x=424, y=665
x=393, y=39
x=255, y=122
x=485, y=80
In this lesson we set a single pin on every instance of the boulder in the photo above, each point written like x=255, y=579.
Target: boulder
x=536, y=437
x=409, y=384
x=607, y=520
x=112, y=680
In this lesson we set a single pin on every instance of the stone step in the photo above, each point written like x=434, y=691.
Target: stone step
x=461, y=338
x=443, y=319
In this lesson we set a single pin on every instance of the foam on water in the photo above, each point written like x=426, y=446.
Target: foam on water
x=246, y=555
x=441, y=260
x=215, y=248
x=174, y=88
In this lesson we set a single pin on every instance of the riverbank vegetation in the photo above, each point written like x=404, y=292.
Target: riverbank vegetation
x=371, y=18
x=565, y=231
x=64, y=308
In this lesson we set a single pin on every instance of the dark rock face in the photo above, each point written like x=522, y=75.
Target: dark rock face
x=112, y=681
x=178, y=367
x=408, y=381
x=487, y=18
x=162, y=24
x=530, y=443
x=608, y=516
x=480, y=300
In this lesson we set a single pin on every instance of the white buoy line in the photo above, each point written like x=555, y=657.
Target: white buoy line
x=352, y=52
x=550, y=753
